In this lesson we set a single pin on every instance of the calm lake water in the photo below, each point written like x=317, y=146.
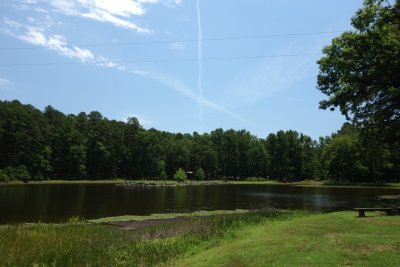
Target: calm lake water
x=57, y=203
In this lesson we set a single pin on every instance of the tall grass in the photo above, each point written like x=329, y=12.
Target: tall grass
x=80, y=244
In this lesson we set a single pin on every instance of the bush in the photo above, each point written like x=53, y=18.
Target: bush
x=180, y=175
x=163, y=175
x=4, y=176
x=16, y=173
x=200, y=174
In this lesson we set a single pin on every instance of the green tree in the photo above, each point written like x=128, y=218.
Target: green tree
x=217, y=138
x=68, y=145
x=258, y=159
x=360, y=74
x=161, y=170
x=177, y=154
x=344, y=157
x=99, y=160
x=360, y=70
x=294, y=156
x=202, y=153
x=200, y=175
x=180, y=175
x=23, y=138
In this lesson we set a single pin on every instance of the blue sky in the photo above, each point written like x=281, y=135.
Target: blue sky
x=254, y=68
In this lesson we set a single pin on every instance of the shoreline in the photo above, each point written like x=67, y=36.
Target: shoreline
x=160, y=183
x=306, y=238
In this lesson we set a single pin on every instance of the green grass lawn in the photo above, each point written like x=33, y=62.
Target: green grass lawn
x=335, y=239
x=269, y=238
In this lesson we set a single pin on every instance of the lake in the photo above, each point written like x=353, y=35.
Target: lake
x=57, y=203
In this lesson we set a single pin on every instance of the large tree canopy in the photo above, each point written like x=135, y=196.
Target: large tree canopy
x=360, y=70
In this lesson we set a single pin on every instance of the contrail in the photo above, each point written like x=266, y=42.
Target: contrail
x=200, y=68
x=180, y=87
x=87, y=57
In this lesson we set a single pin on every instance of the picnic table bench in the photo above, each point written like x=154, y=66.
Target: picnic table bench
x=388, y=210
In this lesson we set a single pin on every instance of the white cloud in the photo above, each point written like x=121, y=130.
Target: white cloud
x=116, y=12
x=143, y=120
x=56, y=43
x=107, y=17
x=106, y=63
x=4, y=83
x=172, y=3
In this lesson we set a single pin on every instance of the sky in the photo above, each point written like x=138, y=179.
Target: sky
x=176, y=65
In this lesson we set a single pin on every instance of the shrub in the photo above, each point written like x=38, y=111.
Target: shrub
x=4, y=176
x=17, y=173
x=180, y=175
x=200, y=174
x=163, y=175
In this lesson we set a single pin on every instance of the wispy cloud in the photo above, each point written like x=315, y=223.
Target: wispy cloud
x=267, y=77
x=58, y=43
x=37, y=36
x=116, y=12
x=119, y=13
x=32, y=33
x=182, y=88
x=4, y=83
x=172, y=3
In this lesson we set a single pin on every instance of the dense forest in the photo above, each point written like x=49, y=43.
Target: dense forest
x=359, y=73
x=51, y=145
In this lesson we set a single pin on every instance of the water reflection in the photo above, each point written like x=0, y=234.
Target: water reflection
x=55, y=203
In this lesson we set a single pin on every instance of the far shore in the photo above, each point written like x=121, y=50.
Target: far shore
x=305, y=183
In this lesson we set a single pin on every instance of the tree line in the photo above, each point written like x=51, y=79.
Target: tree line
x=48, y=144
x=359, y=73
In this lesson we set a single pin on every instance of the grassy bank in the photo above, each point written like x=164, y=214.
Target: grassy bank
x=257, y=238
x=336, y=239
x=81, y=244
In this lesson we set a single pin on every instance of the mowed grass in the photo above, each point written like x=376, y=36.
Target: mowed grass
x=264, y=238
x=335, y=239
